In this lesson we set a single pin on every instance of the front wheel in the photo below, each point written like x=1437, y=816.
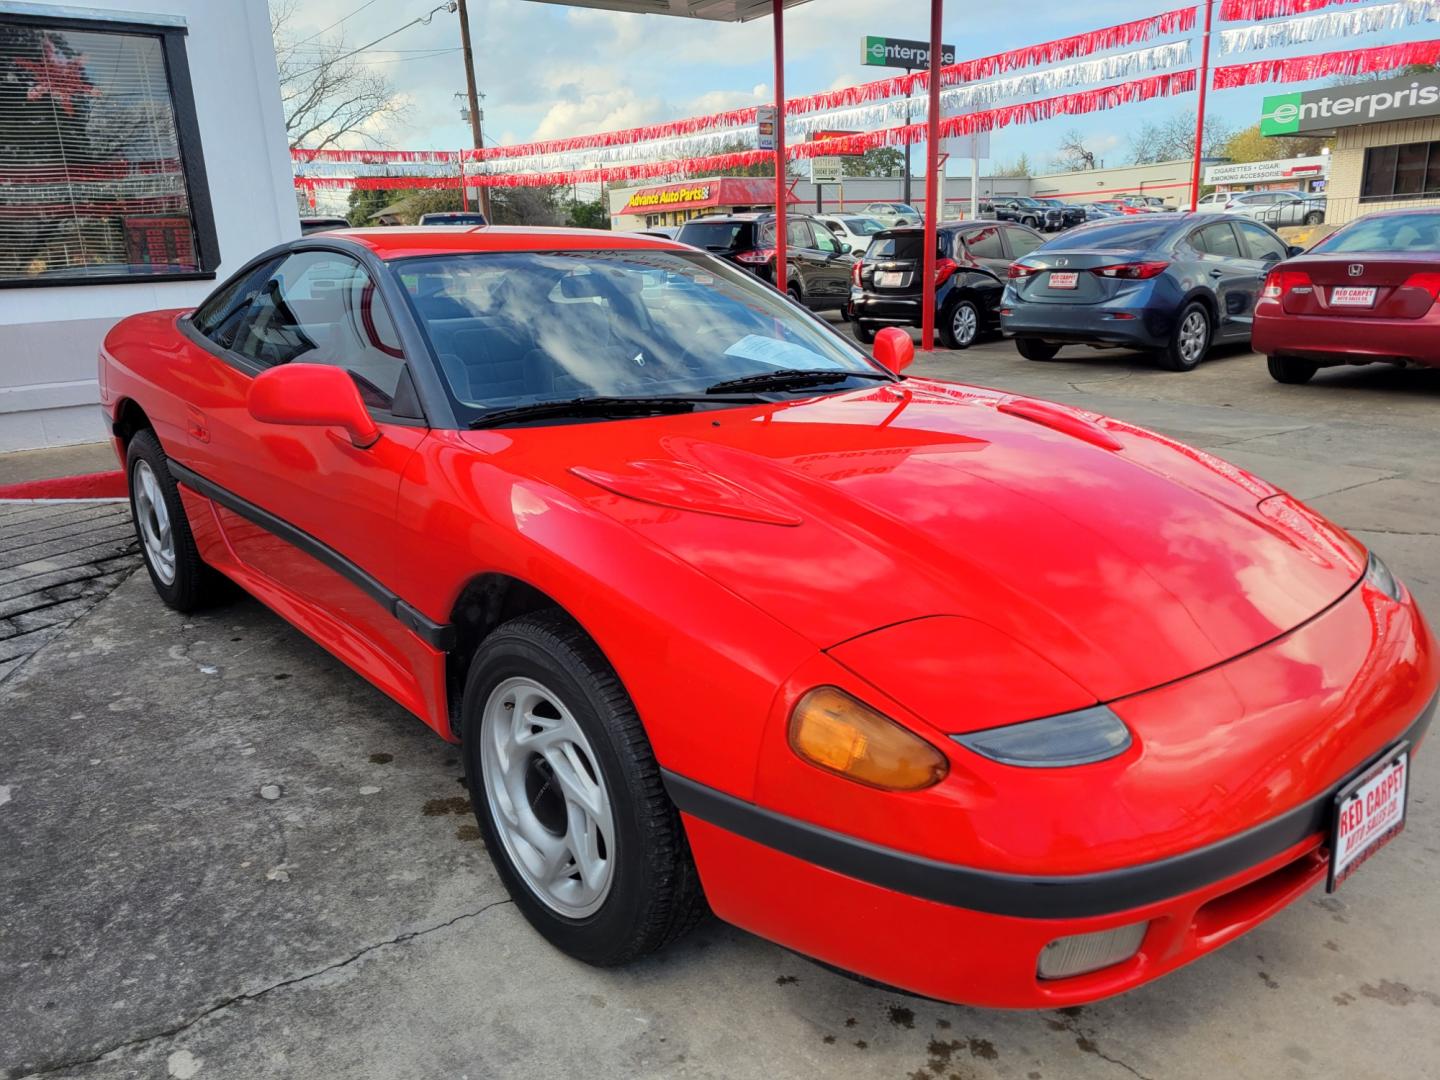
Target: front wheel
x=1190, y=341
x=793, y=291
x=1315, y=217
x=180, y=577
x=1030, y=222
x=1287, y=369
x=960, y=324
x=569, y=797
x=1031, y=349
x=864, y=332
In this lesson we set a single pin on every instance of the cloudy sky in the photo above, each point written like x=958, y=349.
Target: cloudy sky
x=550, y=71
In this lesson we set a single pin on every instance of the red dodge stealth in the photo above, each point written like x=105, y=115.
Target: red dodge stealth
x=987, y=698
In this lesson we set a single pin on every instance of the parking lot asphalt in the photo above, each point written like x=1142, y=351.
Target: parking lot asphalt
x=226, y=856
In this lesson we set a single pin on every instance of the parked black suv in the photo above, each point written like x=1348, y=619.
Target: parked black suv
x=1070, y=213
x=1026, y=211
x=819, y=262
x=972, y=258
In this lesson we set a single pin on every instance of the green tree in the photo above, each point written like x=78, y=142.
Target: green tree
x=881, y=161
x=1248, y=144
x=1019, y=167
x=587, y=215
x=364, y=202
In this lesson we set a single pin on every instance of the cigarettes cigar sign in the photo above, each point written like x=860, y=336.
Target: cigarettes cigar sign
x=1346, y=106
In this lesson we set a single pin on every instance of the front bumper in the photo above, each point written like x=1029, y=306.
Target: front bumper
x=971, y=931
x=1330, y=339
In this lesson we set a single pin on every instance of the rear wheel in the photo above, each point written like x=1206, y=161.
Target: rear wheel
x=1031, y=349
x=179, y=575
x=569, y=798
x=1190, y=341
x=793, y=291
x=1315, y=217
x=1287, y=369
x=864, y=332
x=960, y=324
x=844, y=312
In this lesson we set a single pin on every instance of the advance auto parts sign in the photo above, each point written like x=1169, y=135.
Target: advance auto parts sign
x=669, y=198
x=1346, y=106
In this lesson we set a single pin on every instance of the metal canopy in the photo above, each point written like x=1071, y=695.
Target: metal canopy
x=714, y=10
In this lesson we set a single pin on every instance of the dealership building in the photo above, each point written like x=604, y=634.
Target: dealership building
x=1387, y=141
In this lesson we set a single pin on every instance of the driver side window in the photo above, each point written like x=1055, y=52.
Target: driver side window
x=825, y=240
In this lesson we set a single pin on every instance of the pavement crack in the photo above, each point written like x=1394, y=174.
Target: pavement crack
x=1086, y=1042
x=246, y=997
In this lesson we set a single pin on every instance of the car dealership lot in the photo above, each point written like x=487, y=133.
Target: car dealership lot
x=226, y=856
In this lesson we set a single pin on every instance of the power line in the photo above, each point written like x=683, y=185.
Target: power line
x=425, y=19
x=336, y=23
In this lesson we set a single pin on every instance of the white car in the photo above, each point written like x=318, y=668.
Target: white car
x=1276, y=208
x=891, y=214
x=853, y=230
x=1215, y=202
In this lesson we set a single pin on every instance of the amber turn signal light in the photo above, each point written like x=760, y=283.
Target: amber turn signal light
x=833, y=730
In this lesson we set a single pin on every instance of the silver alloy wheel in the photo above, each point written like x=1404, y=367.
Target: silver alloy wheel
x=547, y=797
x=1194, y=335
x=964, y=324
x=154, y=519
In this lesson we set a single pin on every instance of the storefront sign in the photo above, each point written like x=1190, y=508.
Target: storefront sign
x=825, y=170
x=765, y=127
x=1261, y=172
x=1346, y=106
x=679, y=197
x=903, y=53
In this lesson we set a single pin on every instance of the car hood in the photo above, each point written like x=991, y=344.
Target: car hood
x=1124, y=558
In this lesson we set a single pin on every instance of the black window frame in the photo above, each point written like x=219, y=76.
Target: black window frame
x=1394, y=151
x=187, y=135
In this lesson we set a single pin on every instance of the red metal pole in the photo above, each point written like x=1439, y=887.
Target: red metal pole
x=933, y=180
x=781, y=265
x=1200, y=118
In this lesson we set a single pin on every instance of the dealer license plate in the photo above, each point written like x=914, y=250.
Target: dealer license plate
x=1351, y=296
x=1369, y=813
x=889, y=279
x=1064, y=279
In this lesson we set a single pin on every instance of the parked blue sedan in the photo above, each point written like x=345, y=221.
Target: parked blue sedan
x=1170, y=284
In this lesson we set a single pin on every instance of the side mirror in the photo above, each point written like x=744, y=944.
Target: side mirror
x=894, y=349
x=312, y=395
x=1293, y=250
x=846, y=249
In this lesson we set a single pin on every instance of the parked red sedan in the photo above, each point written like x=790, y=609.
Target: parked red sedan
x=988, y=698
x=1365, y=294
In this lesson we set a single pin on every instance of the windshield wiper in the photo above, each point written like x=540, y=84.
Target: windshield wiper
x=791, y=378
x=594, y=406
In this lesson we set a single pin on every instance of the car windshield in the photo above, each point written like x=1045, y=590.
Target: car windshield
x=863, y=226
x=1399, y=232
x=514, y=328
x=1113, y=235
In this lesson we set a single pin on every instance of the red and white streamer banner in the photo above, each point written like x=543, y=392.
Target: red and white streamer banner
x=301, y=156
x=1330, y=25
x=372, y=183
x=1324, y=65
x=1250, y=10
x=1178, y=21
x=1085, y=101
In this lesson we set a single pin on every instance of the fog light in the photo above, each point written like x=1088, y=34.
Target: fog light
x=1082, y=953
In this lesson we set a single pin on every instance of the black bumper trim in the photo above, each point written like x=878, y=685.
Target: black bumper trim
x=1016, y=895
x=437, y=635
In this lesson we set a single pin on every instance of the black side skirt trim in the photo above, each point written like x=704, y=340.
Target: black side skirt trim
x=1019, y=896
x=437, y=635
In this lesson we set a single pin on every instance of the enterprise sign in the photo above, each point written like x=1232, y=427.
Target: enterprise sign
x=1346, y=106
x=903, y=53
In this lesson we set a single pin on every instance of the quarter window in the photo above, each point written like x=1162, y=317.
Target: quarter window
x=102, y=174
x=319, y=307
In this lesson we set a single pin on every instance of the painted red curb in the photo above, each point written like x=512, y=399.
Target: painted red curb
x=100, y=485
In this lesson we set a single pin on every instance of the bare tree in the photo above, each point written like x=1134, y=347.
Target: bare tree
x=1173, y=139
x=329, y=95
x=1072, y=153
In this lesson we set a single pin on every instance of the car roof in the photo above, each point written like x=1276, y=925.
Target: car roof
x=399, y=242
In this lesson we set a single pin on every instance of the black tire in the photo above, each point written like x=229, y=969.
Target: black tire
x=845, y=312
x=1031, y=349
x=1288, y=369
x=864, y=332
x=654, y=896
x=960, y=324
x=1315, y=217
x=1181, y=353
x=793, y=291
x=193, y=584
x=1030, y=222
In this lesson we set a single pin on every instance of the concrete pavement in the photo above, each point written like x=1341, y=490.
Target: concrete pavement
x=225, y=856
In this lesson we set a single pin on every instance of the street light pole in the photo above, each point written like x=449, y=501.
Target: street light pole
x=474, y=98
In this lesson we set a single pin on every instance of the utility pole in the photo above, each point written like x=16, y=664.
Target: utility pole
x=474, y=99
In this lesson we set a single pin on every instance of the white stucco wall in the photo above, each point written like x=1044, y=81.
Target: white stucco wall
x=49, y=336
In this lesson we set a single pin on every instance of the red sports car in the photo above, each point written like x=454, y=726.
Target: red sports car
x=991, y=699
x=1365, y=294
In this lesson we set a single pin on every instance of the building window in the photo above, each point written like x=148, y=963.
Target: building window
x=1411, y=171
x=101, y=174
